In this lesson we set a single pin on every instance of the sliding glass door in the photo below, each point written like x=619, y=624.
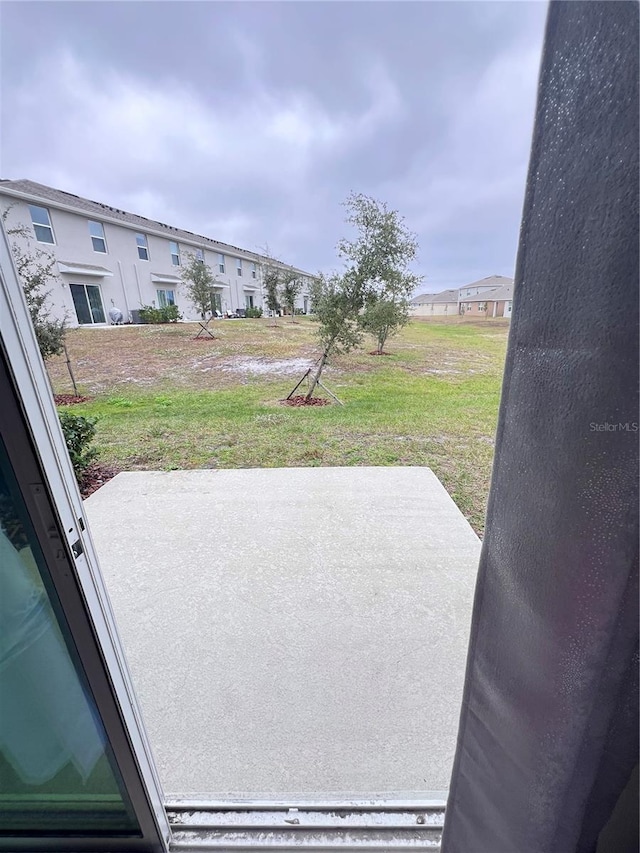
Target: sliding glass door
x=76, y=772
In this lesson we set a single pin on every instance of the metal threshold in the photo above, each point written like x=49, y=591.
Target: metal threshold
x=318, y=825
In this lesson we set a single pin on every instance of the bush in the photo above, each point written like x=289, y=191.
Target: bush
x=168, y=314
x=253, y=312
x=79, y=432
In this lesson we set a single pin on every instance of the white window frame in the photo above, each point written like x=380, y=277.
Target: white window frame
x=239, y=267
x=175, y=256
x=164, y=291
x=200, y=255
x=35, y=224
x=221, y=263
x=98, y=237
x=254, y=270
x=144, y=247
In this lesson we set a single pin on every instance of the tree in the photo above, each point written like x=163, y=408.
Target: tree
x=291, y=286
x=198, y=280
x=337, y=301
x=379, y=257
x=36, y=271
x=384, y=317
x=271, y=282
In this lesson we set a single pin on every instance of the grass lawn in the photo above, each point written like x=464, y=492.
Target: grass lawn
x=166, y=401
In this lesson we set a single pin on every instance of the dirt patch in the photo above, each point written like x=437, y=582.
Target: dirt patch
x=302, y=401
x=375, y=352
x=70, y=399
x=265, y=366
x=96, y=476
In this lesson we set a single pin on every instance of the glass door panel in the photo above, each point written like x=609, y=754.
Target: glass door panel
x=56, y=770
x=80, y=304
x=95, y=303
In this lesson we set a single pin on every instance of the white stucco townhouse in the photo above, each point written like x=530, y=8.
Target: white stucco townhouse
x=105, y=257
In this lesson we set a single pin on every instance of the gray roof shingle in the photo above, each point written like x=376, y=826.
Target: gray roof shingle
x=100, y=210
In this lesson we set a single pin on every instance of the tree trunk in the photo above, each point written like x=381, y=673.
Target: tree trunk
x=316, y=375
x=73, y=379
x=382, y=339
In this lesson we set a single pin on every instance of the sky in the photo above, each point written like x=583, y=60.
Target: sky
x=251, y=122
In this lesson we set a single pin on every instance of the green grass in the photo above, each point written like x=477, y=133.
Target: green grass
x=433, y=402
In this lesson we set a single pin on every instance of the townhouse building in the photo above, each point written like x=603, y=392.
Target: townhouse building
x=105, y=257
x=489, y=297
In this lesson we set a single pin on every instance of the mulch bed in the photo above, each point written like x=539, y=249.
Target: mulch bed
x=379, y=353
x=203, y=338
x=302, y=401
x=95, y=476
x=70, y=399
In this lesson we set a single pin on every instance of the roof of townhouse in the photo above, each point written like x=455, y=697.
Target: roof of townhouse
x=36, y=191
x=430, y=298
x=496, y=294
x=489, y=281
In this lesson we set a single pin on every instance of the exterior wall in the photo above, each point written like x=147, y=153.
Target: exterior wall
x=499, y=309
x=131, y=284
x=435, y=309
x=475, y=309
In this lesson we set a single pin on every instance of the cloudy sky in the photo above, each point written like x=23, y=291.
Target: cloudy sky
x=251, y=121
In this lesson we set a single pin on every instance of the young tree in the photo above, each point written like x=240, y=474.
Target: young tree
x=384, y=317
x=291, y=287
x=198, y=280
x=271, y=282
x=337, y=300
x=36, y=271
x=379, y=257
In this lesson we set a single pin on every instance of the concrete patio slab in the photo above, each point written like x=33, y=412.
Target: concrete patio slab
x=292, y=630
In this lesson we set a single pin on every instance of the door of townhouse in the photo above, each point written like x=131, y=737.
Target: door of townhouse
x=87, y=300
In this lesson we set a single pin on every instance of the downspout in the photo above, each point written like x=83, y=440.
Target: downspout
x=124, y=291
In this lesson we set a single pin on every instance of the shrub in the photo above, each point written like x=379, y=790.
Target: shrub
x=79, y=432
x=253, y=312
x=168, y=314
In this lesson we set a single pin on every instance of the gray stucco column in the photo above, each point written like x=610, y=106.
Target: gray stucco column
x=548, y=734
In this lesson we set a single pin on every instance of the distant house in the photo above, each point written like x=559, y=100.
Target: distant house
x=443, y=304
x=489, y=297
x=493, y=302
x=483, y=285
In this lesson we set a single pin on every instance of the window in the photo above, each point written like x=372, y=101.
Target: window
x=41, y=224
x=166, y=297
x=175, y=253
x=482, y=306
x=143, y=248
x=238, y=267
x=221, y=266
x=254, y=271
x=248, y=298
x=216, y=302
x=200, y=255
x=96, y=231
x=87, y=301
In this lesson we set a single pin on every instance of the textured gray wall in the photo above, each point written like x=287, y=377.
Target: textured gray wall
x=549, y=727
